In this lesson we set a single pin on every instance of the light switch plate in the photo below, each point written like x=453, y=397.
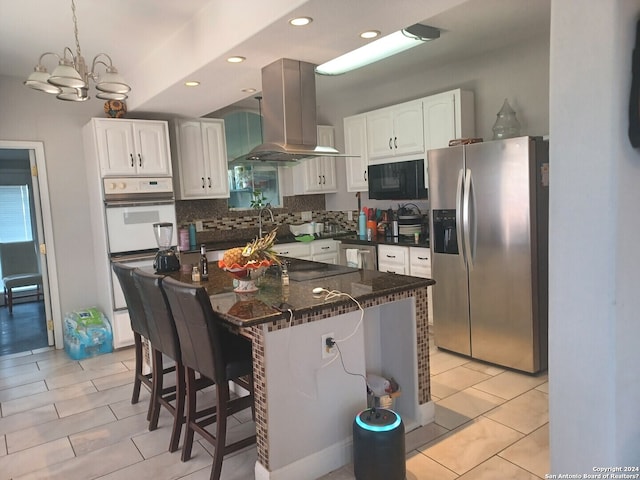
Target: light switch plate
x=199, y=227
x=306, y=216
x=350, y=215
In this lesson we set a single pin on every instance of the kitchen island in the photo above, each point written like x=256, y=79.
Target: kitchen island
x=305, y=404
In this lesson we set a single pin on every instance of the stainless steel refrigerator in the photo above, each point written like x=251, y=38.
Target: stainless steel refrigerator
x=489, y=248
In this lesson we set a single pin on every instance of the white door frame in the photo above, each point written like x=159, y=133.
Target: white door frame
x=45, y=236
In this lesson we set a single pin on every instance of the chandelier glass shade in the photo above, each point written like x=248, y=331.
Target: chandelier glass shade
x=69, y=80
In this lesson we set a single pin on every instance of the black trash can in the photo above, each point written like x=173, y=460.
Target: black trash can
x=378, y=445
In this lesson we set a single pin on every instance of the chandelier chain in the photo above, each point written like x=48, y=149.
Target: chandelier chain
x=75, y=27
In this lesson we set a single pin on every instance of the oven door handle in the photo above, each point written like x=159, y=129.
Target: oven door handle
x=133, y=258
x=137, y=203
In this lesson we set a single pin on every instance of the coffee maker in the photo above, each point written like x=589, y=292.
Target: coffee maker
x=166, y=259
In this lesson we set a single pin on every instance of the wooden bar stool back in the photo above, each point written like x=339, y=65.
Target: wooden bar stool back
x=212, y=351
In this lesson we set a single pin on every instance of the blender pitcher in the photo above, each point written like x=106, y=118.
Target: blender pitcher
x=166, y=259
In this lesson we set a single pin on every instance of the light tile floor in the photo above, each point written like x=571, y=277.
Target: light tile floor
x=64, y=419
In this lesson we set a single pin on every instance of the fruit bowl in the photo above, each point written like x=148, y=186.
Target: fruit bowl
x=245, y=276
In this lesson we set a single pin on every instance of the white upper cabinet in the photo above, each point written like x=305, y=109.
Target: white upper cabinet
x=395, y=131
x=355, y=143
x=317, y=174
x=447, y=116
x=132, y=147
x=200, y=158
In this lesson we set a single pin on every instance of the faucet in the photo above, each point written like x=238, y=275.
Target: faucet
x=266, y=207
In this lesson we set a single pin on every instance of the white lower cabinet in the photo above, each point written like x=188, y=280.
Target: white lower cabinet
x=420, y=266
x=393, y=259
x=325, y=250
x=296, y=250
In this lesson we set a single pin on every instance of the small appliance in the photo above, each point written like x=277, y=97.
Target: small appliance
x=378, y=445
x=166, y=259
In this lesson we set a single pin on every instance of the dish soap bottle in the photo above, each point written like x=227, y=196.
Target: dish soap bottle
x=362, y=225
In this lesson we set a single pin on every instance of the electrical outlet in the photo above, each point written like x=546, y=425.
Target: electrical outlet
x=306, y=216
x=328, y=352
x=350, y=215
x=199, y=226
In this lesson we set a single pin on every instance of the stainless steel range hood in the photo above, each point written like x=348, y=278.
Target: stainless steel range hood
x=289, y=115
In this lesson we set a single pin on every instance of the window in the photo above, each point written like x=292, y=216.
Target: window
x=15, y=214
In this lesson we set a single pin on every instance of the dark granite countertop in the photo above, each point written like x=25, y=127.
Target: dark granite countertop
x=273, y=300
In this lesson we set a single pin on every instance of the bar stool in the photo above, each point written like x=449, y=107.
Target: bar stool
x=164, y=341
x=140, y=329
x=215, y=353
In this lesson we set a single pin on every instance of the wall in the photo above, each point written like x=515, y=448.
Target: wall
x=33, y=116
x=594, y=257
x=519, y=72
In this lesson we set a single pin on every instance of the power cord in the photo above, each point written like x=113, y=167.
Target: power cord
x=337, y=293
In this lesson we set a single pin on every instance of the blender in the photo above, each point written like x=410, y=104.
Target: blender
x=166, y=259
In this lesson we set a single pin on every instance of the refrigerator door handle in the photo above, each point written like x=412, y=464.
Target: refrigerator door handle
x=466, y=218
x=459, y=215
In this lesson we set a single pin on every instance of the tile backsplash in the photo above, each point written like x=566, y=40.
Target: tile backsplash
x=221, y=224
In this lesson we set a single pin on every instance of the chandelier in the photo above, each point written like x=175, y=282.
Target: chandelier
x=70, y=79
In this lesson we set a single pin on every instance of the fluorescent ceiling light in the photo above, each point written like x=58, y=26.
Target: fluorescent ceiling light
x=382, y=48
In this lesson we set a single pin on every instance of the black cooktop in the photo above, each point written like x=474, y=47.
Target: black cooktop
x=301, y=270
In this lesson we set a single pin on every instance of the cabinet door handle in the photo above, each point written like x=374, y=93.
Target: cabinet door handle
x=325, y=248
x=324, y=180
x=209, y=178
x=132, y=160
x=139, y=160
x=202, y=181
x=391, y=256
x=395, y=142
x=365, y=175
x=423, y=258
x=282, y=253
x=319, y=179
x=390, y=145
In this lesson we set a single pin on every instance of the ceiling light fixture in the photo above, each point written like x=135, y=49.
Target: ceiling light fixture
x=300, y=21
x=70, y=79
x=382, y=48
x=236, y=59
x=191, y=83
x=370, y=34
x=249, y=90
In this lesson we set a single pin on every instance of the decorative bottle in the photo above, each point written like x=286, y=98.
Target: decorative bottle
x=507, y=125
x=362, y=225
x=204, y=263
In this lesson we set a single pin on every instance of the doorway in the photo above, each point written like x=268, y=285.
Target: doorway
x=31, y=324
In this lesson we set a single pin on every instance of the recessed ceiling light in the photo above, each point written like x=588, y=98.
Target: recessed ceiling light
x=236, y=59
x=192, y=83
x=249, y=90
x=370, y=34
x=300, y=21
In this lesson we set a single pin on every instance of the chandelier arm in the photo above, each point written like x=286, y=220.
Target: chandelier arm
x=48, y=53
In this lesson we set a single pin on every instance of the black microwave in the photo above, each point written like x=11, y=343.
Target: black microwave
x=397, y=181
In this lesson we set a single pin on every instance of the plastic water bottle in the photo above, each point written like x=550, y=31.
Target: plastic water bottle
x=362, y=225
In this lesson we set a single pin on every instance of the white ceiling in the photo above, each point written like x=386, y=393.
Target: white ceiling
x=158, y=44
